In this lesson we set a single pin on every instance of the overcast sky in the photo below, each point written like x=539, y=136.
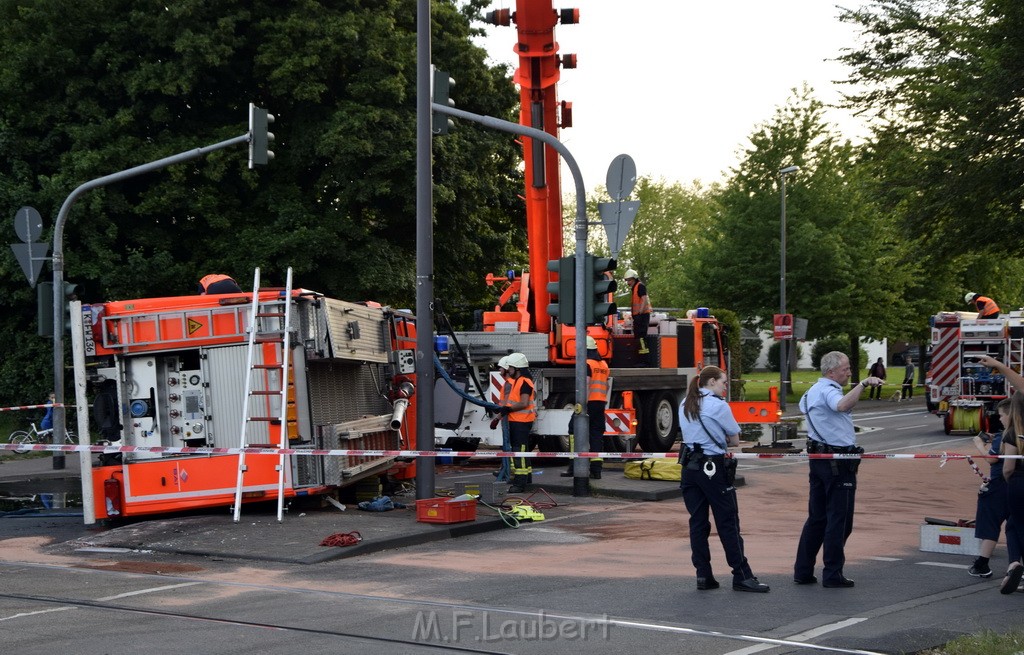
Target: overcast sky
x=680, y=84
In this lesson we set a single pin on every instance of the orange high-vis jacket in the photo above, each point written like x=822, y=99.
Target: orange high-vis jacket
x=599, y=373
x=529, y=413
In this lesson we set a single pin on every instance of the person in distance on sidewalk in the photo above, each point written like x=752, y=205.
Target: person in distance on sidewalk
x=707, y=483
x=833, y=482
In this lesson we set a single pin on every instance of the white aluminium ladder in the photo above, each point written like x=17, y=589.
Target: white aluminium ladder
x=268, y=322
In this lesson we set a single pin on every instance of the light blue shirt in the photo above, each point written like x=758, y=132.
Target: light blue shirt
x=821, y=405
x=719, y=420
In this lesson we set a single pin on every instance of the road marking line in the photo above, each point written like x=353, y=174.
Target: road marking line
x=942, y=564
x=885, y=559
x=911, y=427
x=24, y=614
x=803, y=636
x=151, y=590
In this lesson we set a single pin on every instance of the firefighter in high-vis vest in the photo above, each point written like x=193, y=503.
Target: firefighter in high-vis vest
x=520, y=407
x=504, y=472
x=598, y=385
x=217, y=283
x=987, y=308
x=598, y=376
x=640, y=308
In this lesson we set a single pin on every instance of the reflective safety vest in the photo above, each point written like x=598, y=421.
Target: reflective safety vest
x=522, y=385
x=641, y=304
x=987, y=308
x=599, y=373
x=213, y=277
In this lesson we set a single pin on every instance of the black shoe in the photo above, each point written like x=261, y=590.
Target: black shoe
x=705, y=584
x=566, y=474
x=810, y=579
x=1012, y=579
x=841, y=583
x=980, y=570
x=750, y=584
x=516, y=489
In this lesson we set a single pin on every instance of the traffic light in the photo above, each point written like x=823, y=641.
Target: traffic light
x=563, y=296
x=441, y=94
x=599, y=283
x=44, y=306
x=70, y=293
x=259, y=137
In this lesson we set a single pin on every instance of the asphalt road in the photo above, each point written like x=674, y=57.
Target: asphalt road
x=607, y=577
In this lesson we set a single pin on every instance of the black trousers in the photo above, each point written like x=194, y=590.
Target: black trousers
x=701, y=494
x=908, y=388
x=640, y=324
x=829, y=519
x=519, y=437
x=595, y=416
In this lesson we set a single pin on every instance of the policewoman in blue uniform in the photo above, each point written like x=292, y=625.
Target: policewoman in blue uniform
x=833, y=482
x=707, y=483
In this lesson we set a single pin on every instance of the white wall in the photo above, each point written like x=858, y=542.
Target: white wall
x=875, y=349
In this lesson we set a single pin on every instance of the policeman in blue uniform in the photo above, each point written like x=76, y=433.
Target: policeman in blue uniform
x=833, y=482
x=708, y=429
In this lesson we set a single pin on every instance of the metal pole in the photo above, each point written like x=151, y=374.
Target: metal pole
x=424, y=257
x=58, y=270
x=581, y=426
x=783, y=354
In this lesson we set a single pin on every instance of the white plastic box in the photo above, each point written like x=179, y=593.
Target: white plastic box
x=949, y=539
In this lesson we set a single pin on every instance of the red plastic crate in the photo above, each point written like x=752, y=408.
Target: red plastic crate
x=445, y=510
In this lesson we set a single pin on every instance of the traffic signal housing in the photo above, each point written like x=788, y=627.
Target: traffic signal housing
x=563, y=291
x=599, y=284
x=441, y=94
x=44, y=306
x=259, y=136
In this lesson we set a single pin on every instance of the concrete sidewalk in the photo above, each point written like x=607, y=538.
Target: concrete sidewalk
x=296, y=539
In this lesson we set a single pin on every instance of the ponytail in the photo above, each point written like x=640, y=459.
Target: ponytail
x=691, y=403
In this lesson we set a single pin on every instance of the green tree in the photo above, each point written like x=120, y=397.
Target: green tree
x=670, y=217
x=96, y=87
x=845, y=266
x=944, y=82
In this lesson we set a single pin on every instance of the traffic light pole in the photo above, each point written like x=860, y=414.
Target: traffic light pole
x=58, y=290
x=581, y=426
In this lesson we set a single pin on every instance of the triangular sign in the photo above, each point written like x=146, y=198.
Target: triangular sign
x=31, y=257
x=617, y=218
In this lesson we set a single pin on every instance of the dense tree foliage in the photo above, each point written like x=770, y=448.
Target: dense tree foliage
x=844, y=266
x=91, y=88
x=944, y=81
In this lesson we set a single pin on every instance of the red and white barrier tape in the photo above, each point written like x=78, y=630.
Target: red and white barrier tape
x=20, y=407
x=482, y=454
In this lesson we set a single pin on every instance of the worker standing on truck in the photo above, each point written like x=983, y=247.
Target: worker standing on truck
x=217, y=283
x=640, y=308
x=987, y=308
x=521, y=409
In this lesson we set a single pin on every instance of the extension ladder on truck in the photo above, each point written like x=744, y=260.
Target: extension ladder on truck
x=270, y=323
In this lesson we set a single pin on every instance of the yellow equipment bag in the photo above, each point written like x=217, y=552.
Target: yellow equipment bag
x=654, y=469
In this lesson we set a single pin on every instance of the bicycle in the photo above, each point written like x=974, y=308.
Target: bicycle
x=34, y=436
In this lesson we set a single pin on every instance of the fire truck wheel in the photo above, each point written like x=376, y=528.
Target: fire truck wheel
x=659, y=422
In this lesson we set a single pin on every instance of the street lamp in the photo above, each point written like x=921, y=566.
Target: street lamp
x=783, y=348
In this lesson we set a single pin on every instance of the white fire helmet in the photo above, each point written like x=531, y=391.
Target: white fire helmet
x=518, y=360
